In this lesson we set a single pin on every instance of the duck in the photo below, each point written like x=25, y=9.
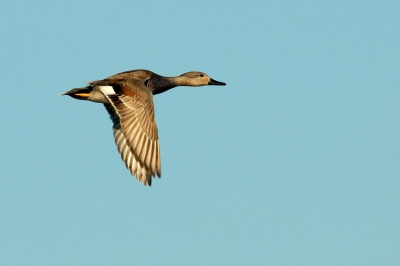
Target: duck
x=128, y=99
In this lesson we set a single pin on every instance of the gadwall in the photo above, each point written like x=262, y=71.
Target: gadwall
x=128, y=98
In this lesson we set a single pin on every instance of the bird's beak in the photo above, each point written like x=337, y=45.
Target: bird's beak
x=214, y=82
x=79, y=93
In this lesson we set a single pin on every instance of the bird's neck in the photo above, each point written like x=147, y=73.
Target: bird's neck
x=160, y=84
x=183, y=81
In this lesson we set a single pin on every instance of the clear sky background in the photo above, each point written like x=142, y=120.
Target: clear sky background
x=295, y=162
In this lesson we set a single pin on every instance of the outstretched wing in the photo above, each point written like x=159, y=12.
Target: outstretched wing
x=131, y=109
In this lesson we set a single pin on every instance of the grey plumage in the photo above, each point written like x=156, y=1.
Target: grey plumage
x=128, y=98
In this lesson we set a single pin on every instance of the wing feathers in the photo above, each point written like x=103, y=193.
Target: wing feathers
x=135, y=133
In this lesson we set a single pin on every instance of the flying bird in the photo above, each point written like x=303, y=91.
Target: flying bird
x=128, y=99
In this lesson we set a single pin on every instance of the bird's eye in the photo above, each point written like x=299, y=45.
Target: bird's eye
x=201, y=75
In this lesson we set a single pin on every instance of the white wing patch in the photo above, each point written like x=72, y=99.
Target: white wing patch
x=107, y=90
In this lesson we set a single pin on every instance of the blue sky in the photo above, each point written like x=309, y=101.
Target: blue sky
x=295, y=162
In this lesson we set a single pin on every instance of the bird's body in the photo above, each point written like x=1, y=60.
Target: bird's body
x=128, y=98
